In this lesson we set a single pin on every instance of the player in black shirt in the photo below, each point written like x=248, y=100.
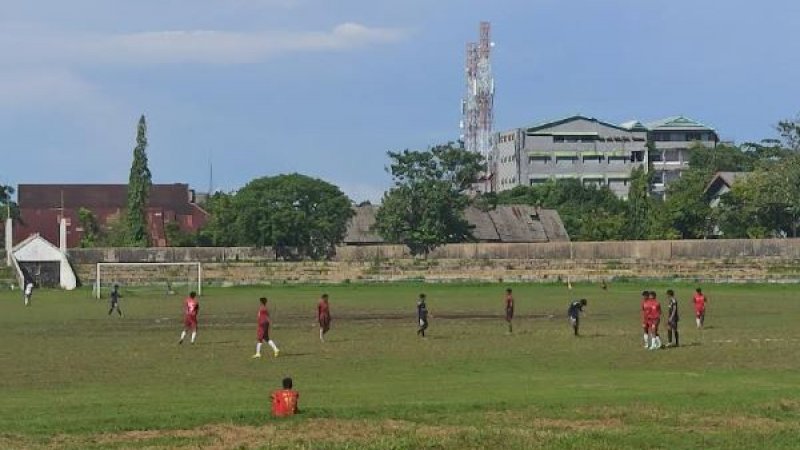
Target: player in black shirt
x=115, y=296
x=672, y=318
x=574, y=313
x=422, y=315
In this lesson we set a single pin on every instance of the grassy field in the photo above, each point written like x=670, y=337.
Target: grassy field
x=73, y=377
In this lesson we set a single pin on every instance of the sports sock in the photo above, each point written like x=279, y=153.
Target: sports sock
x=194, y=336
x=676, y=338
x=183, y=334
x=646, y=338
x=272, y=344
x=321, y=335
x=669, y=336
x=698, y=322
x=258, y=348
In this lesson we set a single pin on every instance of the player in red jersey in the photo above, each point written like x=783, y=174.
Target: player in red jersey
x=262, y=334
x=700, y=301
x=509, y=309
x=645, y=325
x=323, y=316
x=190, y=309
x=653, y=320
x=284, y=401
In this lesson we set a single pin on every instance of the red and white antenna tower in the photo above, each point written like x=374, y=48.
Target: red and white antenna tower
x=478, y=104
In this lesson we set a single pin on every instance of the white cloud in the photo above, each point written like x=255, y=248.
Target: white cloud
x=177, y=47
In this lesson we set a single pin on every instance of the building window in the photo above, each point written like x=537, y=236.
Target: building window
x=694, y=136
x=656, y=156
x=566, y=160
x=637, y=156
x=538, y=159
x=535, y=181
x=594, y=158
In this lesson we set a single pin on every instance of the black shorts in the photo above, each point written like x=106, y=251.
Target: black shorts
x=509, y=313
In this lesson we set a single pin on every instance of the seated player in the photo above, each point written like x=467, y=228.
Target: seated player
x=574, y=313
x=509, y=309
x=190, y=309
x=284, y=401
x=700, y=301
x=324, y=316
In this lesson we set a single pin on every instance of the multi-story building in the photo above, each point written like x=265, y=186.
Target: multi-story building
x=597, y=152
x=672, y=139
x=577, y=147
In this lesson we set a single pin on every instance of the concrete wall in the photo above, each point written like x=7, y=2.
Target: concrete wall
x=624, y=250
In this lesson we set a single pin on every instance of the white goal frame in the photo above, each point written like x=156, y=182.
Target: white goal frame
x=100, y=266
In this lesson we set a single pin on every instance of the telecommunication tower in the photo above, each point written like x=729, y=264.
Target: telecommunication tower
x=478, y=104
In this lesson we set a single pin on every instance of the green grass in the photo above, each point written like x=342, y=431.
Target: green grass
x=72, y=377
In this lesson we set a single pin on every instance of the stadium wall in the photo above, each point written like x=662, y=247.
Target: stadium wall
x=720, y=260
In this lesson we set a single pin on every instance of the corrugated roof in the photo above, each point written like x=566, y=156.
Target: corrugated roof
x=677, y=123
x=505, y=223
x=552, y=123
x=359, y=228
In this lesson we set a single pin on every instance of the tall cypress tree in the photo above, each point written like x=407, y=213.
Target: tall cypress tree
x=138, y=189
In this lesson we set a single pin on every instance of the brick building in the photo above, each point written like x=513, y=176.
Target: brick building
x=41, y=206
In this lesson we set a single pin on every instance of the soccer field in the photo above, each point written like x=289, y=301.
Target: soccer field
x=73, y=377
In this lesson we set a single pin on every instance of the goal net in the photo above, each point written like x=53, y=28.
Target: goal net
x=149, y=278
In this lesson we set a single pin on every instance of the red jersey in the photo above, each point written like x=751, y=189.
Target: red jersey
x=323, y=309
x=191, y=307
x=509, y=301
x=653, y=310
x=263, y=315
x=284, y=402
x=699, y=302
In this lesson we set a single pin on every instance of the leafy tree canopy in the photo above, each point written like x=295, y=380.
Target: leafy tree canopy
x=289, y=212
x=425, y=207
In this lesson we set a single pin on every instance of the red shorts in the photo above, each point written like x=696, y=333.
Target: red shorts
x=699, y=312
x=325, y=323
x=652, y=324
x=190, y=322
x=263, y=332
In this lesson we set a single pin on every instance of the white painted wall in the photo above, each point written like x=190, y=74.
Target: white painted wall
x=38, y=249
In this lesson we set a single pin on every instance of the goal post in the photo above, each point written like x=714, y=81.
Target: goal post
x=156, y=273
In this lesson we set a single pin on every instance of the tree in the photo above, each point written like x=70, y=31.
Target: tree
x=425, y=207
x=92, y=234
x=139, y=185
x=790, y=133
x=589, y=213
x=686, y=212
x=220, y=231
x=639, y=223
x=291, y=212
x=766, y=203
x=6, y=204
x=177, y=237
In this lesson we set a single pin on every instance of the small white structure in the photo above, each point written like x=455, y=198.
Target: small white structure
x=40, y=261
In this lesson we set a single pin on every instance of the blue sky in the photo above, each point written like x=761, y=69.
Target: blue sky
x=326, y=87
